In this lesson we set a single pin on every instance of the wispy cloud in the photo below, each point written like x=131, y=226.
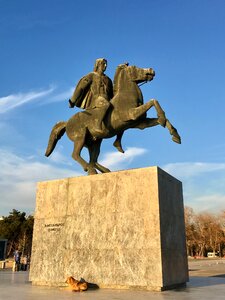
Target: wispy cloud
x=203, y=184
x=188, y=169
x=211, y=203
x=15, y=100
x=117, y=160
x=50, y=95
x=18, y=178
x=19, y=175
x=61, y=96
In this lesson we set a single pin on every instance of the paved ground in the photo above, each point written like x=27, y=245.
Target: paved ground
x=207, y=281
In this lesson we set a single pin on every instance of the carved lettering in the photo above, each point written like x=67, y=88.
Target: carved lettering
x=54, y=227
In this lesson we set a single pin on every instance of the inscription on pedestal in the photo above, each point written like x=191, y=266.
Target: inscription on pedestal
x=54, y=227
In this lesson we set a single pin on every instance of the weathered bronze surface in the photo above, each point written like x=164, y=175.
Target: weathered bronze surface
x=110, y=109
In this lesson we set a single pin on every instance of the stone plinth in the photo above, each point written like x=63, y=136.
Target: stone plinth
x=118, y=230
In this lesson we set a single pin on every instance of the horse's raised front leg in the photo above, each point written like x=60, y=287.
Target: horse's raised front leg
x=135, y=113
x=160, y=113
x=166, y=123
x=150, y=122
x=175, y=136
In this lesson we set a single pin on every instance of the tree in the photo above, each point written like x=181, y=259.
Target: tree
x=204, y=232
x=17, y=229
x=190, y=230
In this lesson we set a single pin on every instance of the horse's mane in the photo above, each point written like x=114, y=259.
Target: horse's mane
x=117, y=76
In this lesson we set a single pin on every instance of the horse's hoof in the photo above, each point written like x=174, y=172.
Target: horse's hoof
x=118, y=146
x=92, y=171
x=176, y=139
x=120, y=149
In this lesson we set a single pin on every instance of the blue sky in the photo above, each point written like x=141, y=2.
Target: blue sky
x=47, y=46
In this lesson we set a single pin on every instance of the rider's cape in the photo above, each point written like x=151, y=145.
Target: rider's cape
x=81, y=95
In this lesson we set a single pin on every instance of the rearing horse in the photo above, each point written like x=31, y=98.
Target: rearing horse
x=127, y=110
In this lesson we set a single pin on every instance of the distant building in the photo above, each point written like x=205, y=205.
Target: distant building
x=3, y=243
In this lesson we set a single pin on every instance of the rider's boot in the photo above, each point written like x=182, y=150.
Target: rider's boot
x=101, y=114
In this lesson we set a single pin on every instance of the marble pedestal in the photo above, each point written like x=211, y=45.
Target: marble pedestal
x=118, y=230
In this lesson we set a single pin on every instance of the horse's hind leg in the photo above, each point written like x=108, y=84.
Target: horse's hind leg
x=93, y=154
x=94, y=151
x=101, y=168
x=78, y=146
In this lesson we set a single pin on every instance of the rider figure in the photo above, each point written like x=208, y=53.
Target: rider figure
x=94, y=91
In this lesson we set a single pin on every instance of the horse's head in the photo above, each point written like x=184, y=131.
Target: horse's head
x=132, y=73
x=139, y=74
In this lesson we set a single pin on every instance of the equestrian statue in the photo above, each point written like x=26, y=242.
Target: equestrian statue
x=109, y=110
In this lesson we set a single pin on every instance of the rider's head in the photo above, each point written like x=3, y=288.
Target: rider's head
x=100, y=65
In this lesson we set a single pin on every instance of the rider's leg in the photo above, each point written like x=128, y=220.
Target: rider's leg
x=102, y=106
x=117, y=142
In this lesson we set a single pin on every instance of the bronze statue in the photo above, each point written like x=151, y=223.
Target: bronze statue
x=125, y=110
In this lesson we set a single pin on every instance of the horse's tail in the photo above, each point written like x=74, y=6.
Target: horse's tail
x=57, y=132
